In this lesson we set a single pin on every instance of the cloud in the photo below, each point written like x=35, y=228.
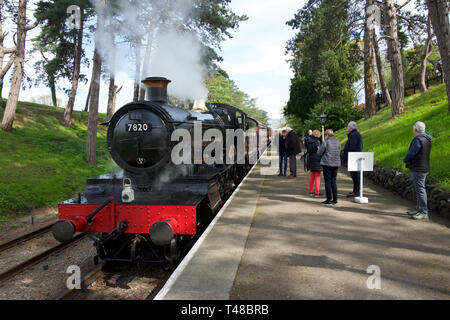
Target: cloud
x=266, y=60
x=255, y=58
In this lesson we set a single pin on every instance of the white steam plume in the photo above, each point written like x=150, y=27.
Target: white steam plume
x=176, y=55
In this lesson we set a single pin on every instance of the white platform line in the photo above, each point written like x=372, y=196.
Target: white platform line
x=173, y=278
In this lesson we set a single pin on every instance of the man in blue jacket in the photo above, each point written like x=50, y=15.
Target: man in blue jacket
x=418, y=161
x=354, y=144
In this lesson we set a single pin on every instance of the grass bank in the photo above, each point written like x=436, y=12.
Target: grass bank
x=43, y=162
x=389, y=138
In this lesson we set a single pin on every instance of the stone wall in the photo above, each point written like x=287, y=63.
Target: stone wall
x=401, y=183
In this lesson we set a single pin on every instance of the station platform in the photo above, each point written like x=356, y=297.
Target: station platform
x=272, y=240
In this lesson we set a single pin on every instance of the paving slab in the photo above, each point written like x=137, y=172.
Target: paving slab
x=300, y=249
x=273, y=241
x=210, y=272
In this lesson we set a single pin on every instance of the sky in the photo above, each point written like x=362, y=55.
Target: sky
x=254, y=58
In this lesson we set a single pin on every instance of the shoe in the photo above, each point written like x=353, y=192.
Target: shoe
x=318, y=195
x=280, y=175
x=420, y=216
x=327, y=203
x=311, y=194
x=412, y=212
x=291, y=176
x=351, y=195
x=334, y=202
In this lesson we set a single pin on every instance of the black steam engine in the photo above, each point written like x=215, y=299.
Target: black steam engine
x=153, y=210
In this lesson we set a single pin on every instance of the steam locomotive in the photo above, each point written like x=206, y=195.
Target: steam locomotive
x=153, y=210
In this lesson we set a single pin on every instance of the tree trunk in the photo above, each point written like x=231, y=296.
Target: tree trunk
x=146, y=63
x=384, y=88
x=395, y=57
x=438, y=11
x=76, y=74
x=51, y=84
x=369, y=72
x=111, y=94
x=112, y=71
x=116, y=91
x=86, y=105
x=19, y=58
x=4, y=70
x=2, y=54
x=426, y=53
x=91, y=143
x=137, y=72
x=113, y=104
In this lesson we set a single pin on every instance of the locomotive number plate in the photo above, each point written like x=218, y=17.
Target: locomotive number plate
x=138, y=127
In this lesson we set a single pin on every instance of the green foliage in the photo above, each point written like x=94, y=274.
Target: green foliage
x=390, y=138
x=224, y=90
x=296, y=124
x=325, y=58
x=413, y=57
x=339, y=113
x=43, y=161
x=56, y=42
x=302, y=98
x=214, y=20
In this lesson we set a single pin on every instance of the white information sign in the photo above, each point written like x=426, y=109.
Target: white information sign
x=360, y=161
x=354, y=161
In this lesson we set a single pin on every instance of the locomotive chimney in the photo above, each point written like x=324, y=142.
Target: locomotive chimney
x=156, y=89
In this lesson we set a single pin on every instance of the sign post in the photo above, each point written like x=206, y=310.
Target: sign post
x=360, y=161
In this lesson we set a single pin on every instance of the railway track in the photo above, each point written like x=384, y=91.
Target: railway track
x=97, y=284
x=86, y=280
x=26, y=237
x=4, y=276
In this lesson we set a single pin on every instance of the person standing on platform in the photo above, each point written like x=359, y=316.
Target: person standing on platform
x=330, y=153
x=292, y=149
x=418, y=161
x=307, y=137
x=313, y=163
x=282, y=153
x=354, y=144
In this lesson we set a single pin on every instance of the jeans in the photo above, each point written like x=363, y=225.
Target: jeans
x=314, y=182
x=329, y=175
x=356, y=177
x=283, y=159
x=293, y=165
x=421, y=192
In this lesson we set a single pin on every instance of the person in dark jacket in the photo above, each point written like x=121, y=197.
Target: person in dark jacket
x=313, y=163
x=418, y=161
x=282, y=153
x=330, y=153
x=308, y=135
x=354, y=144
x=292, y=149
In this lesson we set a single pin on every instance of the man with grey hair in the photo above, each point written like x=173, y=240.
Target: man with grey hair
x=418, y=161
x=354, y=144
